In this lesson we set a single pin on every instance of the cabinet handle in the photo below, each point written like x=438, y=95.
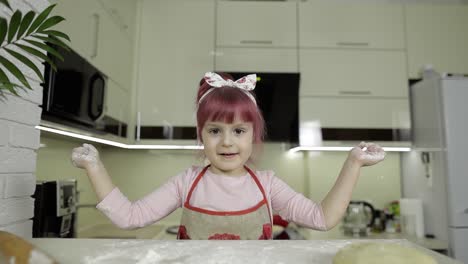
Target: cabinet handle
x=269, y=42
x=356, y=92
x=96, y=35
x=138, y=126
x=353, y=44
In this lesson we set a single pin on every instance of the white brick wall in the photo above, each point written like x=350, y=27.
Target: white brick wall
x=20, y=228
x=19, y=141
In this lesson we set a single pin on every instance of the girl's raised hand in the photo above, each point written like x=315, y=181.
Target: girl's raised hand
x=85, y=157
x=367, y=154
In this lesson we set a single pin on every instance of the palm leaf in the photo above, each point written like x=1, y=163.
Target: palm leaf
x=53, y=40
x=3, y=29
x=26, y=62
x=14, y=25
x=50, y=22
x=39, y=19
x=25, y=28
x=5, y=2
x=38, y=54
x=27, y=19
x=56, y=33
x=45, y=47
x=15, y=71
x=5, y=82
x=14, y=87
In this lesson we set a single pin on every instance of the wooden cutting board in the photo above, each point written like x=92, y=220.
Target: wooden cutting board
x=14, y=249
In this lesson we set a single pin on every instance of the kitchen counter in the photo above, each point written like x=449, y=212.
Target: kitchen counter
x=112, y=231
x=158, y=231
x=73, y=251
x=337, y=233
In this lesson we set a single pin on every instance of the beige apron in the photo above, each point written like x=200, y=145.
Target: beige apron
x=199, y=223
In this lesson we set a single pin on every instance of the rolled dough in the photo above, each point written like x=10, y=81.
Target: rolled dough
x=382, y=253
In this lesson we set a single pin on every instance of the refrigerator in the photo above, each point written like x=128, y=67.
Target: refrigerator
x=436, y=170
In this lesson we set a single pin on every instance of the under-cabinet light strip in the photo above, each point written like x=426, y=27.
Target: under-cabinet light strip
x=117, y=144
x=192, y=147
x=303, y=148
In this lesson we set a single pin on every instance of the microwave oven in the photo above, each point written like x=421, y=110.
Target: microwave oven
x=74, y=94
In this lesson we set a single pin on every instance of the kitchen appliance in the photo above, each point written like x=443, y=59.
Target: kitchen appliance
x=358, y=219
x=436, y=170
x=55, y=209
x=75, y=92
x=74, y=96
x=412, y=217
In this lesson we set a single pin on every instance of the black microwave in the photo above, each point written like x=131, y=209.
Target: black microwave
x=74, y=94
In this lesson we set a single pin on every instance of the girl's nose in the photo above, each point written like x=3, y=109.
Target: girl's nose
x=227, y=139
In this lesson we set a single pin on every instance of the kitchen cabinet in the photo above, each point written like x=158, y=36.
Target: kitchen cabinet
x=123, y=13
x=112, y=51
x=347, y=72
x=256, y=60
x=79, y=24
x=437, y=35
x=351, y=25
x=97, y=38
x=175, y=50
x=256, y=24
x=117, y=102
x=378, y=113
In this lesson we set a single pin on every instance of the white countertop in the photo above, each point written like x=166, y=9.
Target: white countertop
x=336, y=233
x=158, y=231
x=115, y=251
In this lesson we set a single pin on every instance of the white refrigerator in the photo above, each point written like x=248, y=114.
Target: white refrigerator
x=436, y=171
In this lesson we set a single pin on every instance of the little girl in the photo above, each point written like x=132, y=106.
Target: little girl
x=227, y=199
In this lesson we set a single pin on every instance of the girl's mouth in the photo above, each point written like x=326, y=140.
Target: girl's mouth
x=228, y=155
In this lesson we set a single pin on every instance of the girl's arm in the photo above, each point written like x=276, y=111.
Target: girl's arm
x=87, y=157
x=122, y=212
x=336, y=201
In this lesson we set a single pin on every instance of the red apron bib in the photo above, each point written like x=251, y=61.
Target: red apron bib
x=198, y=223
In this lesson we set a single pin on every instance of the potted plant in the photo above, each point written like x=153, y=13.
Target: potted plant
x=28, y=35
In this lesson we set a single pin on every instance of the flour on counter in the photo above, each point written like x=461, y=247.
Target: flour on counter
x=102, y=251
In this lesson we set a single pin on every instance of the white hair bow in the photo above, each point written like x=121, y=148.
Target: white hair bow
x=246, y=83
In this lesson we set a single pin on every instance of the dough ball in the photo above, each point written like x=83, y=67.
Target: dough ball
x=382, y=253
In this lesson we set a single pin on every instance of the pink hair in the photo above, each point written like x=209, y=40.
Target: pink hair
x=224, y=104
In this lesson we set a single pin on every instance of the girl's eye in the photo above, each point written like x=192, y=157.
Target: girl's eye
x=239, y=131
x=214, y=131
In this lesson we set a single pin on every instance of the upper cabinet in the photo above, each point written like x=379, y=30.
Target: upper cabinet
x=256, y=24
x=437, y=35
x=346, y=72
x=256, y=59
x=176, y=48
x=113, y=50
x=80, y=24
x=256, y=36
x=352, y=58
x=351, y=25
x=117, y=105
x=99, y=38
x=123, y=13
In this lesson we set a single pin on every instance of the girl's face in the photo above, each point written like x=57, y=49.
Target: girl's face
x=228, y=146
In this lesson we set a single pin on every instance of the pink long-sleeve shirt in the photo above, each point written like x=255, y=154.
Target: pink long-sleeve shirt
x=213, y=192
